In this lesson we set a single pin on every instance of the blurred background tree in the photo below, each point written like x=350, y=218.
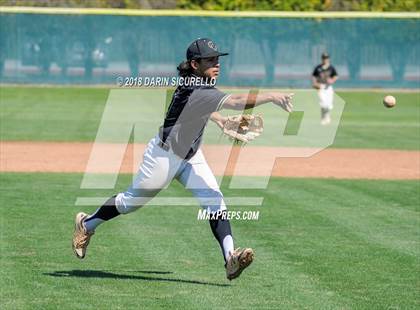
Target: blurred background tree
x=232, y=5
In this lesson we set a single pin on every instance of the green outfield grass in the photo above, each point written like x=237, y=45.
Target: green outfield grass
x=73, y=114
x=320, y=244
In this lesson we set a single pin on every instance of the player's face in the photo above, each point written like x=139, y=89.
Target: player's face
x=209, y=67
x=325, y=61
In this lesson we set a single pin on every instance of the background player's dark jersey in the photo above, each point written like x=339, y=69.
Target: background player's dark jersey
x=187, y=116
x=322, y=74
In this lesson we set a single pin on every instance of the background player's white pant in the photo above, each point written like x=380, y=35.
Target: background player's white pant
x=159, y=168
x=326, y=97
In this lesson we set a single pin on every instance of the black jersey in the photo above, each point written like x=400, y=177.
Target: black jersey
x=187, y=115
x=322, y=74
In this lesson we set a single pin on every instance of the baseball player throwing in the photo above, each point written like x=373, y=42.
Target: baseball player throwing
x=175, y=153
x=323, y=77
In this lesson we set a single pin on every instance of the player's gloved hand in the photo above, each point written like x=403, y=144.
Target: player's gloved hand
x=243, y=128
x=283, y=100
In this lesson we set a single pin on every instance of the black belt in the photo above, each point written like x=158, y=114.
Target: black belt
x=164, y=145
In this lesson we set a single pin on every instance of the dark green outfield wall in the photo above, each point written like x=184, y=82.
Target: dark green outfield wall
x=265, y=51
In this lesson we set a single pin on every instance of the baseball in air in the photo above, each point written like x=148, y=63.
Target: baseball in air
x=389, y=101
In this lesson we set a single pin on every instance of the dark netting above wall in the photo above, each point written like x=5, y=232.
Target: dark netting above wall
x=263, y=51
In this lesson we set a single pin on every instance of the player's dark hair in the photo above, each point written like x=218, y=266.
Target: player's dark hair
x=184, y=68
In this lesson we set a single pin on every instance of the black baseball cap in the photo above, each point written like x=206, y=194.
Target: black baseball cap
x=325, y=55
x=203, y=48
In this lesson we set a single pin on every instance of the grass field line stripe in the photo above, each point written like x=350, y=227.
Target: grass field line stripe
x=378, y=124
x=367, y=226
x=175, y=201
x=205, y=13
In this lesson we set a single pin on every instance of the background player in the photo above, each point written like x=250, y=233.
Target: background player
x=175, y=153
x=323, y=77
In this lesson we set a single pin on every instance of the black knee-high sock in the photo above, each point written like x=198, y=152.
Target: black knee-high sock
x=221, y=229
x=106, y=212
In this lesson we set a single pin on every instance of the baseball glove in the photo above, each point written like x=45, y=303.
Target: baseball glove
x=244, y=127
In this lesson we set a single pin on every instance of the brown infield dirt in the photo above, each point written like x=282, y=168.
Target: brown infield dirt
x=247, y=161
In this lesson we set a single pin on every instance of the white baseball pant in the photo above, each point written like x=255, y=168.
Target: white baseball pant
x=326, y=97
x=159, y=168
